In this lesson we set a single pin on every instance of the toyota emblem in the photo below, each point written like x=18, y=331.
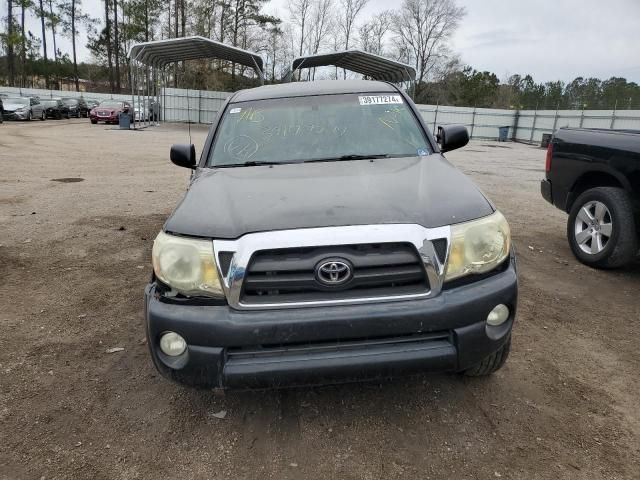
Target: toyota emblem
x=334, y=272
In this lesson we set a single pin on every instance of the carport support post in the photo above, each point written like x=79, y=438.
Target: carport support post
x=533, y=126
x=582, y=116
x=199, y=105
x=164, y=92
x=147, y=101
x=555, y=119
x=132, y=68
x=156, y=96
x=435, y=117
x=473, y=122
x=613, y=115
x=138, y=88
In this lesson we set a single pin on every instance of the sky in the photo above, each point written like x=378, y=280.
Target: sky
x=549, y=39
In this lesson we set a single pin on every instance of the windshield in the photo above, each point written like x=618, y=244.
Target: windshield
x=49, y=103
x=17, y=101
x=69, y=101
x=314, y=128
x=110, y=104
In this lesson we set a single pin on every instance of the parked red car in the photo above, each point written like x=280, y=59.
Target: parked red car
x=108, y=111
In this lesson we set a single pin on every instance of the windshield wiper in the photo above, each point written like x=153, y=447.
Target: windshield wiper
x=348, y=157
x=251, y=163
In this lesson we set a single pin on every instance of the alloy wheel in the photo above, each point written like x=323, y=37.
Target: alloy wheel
x=593, y=227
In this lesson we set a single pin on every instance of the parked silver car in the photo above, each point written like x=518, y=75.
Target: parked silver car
x=23, y=108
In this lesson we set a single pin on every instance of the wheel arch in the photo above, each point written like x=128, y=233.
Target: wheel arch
x=593, y=179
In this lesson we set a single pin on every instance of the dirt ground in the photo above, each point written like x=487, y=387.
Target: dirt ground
x=74, y=259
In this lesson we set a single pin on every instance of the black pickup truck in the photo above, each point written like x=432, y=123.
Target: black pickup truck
x=325, y=238
x=594, y=176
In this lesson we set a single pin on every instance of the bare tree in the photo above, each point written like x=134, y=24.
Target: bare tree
x=107, y=29
x=423, y=28
x=24, y=6
x=54, y=19
x=300, y=12
x=321, y=23
x=116, y=44
x=350, y=11
x=176, y=27
x=274, y=47
x=70, y=16
x=346, y=22
x=42, y=14
x=9, y=42
x=73, y=15
x=321, y=26
x=372, y=34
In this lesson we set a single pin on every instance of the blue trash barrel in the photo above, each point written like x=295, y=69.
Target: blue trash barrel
x=503, y=134
x=124, y=120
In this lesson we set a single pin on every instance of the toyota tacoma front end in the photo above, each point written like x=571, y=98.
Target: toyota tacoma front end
x=325, y=238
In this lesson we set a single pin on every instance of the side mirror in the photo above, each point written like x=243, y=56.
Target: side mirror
x=451, y=137
x=184, y=155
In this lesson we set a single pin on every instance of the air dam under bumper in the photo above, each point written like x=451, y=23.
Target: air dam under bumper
x=271, y=348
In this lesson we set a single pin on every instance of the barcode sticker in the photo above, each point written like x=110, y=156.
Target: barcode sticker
x=380, y=99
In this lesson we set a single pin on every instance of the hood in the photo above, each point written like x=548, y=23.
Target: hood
x=230, y=202
x=14, y=106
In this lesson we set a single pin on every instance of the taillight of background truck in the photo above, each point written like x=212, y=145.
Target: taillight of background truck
x=547, y=165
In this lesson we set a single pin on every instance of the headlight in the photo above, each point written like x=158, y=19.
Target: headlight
x=478, y=246
x=186, y=265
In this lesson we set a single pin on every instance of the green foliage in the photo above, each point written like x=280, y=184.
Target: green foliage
x=469, y=88
x=472, y=88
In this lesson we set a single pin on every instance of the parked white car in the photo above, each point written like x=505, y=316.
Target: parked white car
x=141, y=113
x=23, y=108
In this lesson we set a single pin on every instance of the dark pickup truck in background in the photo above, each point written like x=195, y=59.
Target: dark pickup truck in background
x=594, y=176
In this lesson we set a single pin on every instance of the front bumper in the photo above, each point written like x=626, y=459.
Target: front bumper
x=270, y=348
x=15, y=115
x=100, y=118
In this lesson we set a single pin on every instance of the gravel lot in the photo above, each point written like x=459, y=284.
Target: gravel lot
x=74, y=259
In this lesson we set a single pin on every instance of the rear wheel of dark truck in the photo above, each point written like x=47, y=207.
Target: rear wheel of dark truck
x=492, y=363
x=601, y=228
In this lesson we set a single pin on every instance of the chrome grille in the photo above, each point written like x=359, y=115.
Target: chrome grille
x=291, y=275
x=381, y=252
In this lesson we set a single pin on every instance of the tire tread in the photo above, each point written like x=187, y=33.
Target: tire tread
x=620, y=205
x=492, y=363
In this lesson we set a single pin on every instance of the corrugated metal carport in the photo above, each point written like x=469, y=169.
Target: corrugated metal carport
x=368, y=64
x=149, y=61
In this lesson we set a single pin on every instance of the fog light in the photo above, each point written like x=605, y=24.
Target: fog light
x=498, y=315
x=172, y=344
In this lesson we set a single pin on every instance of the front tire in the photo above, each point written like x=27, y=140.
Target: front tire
x=492, y=363
x=43, y=117
x=601, y=228
x=94, y=122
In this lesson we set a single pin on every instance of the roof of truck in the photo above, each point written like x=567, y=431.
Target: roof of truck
x=318, y=87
